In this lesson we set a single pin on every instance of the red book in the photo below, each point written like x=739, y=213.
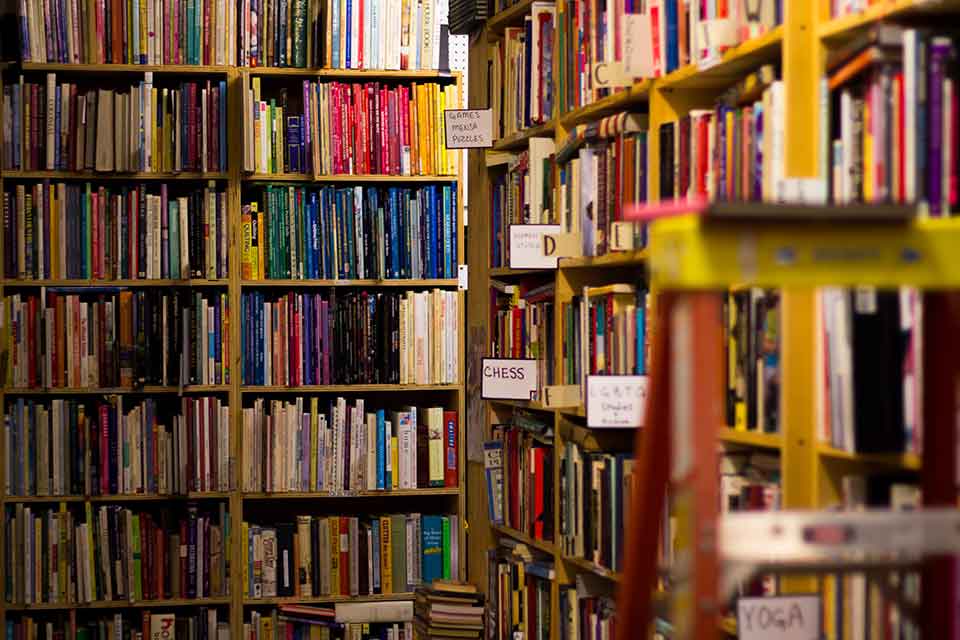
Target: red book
x=517, y=332
x=451, y=439
x=344, y=555
x=359, y=61
x=116, y=52
x=592, y=325
x=183, y=558
x=104, y=450
x=539, y=480
x=384, y=132
x=375, y=132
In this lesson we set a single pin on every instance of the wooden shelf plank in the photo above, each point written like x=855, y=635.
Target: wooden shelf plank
x=167, y=69
x=287, y=283
x=358, y=74
x=519, y=536
x=734, y=62
x=751, y=438
x=109, y=391
x=518, y=140
x=123, y=497
x=637, y=94
x=138, y=283
x=507, y=272
x=379, y=597
x=612, y=259
x=512, y=16
x=57, y=174
x=522, y=404
x=347, y=388
x=905, y=461
x=120, y=604
x=325, y=495
x=351, y=178
x=586, y=565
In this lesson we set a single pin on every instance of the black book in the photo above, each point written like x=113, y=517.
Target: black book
x=315, y=553
x=666, y=161
x=285, y=559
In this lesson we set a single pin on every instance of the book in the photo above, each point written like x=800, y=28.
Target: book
x=528, y=495
x=522, y=326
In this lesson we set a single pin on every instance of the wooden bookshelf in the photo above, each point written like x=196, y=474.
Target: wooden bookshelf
x=510, y=17
x=757, y=439
x=446, y=500
x=519, y=139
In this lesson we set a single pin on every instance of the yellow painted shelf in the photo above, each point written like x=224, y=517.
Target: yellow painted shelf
x=612, y=259
x=845, y=27
x=728, y=626
x=636, y=94
x=120, y=604
x=315, y=495
x=596, y=569
x=733, y=63
x=512, y=16
x=287, y=283
x=756, y=439
x=351, y=178
x=517, y=140
x=507, y=272
x=359, y=74
x=57, y=174
x=346, y=388
x=109, y=391
x=519, y=536
x=167, y=69
x=378, y=597
x=906, y=461
x=138, y=282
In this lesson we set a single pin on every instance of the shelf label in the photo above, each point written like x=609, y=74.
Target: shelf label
x=527, y=243
x=779, y=618
x=468, y=128
x=557, y=396
x=610, y=75
x=622, y=236
x=562, y=245
x=616, y=402
x=508, y=379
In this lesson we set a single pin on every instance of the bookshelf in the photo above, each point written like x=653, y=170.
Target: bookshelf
x=238, y=186
x=810, y=471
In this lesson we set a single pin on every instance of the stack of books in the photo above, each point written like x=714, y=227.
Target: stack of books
x=447, y=609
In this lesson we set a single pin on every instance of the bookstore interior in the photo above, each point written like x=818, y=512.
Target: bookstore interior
x=688, y=370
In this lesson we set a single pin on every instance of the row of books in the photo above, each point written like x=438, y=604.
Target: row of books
x=894, y=118
x=351, y=34
x=78, y=231
x=348, y=555
x=349, y=128
x=588, y=609
x=519, y=587
x=409, y=337
x=322, y=623
x=203, y=624
x=522, y=325
x=145, y=128
x=863, y=605
x=351, y=233
x=601, y=168
x=648, y=40
x=605, y=332
x=868, y=339
x=519, y=195
x=527, y=479
x=752, y=331
x=115, y=554
x=103, y=337
x=114, y=446
x=520, y=72
x=732, y=152
x=341, y=448
x=135, y=32
x=596, y=490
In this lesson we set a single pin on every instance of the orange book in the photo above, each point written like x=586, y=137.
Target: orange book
x=126, y=340
x=857, y=65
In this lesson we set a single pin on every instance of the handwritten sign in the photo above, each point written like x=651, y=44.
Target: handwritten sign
x=508, y=379
x=468, y=128
x=608, y=75
x=616, y=402
x=562, y=245
x=527, y=246
x=637, y=45
x=779, y=618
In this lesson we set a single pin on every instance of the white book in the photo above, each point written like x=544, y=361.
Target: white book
x=778, y=135
x=427, y=18
x=910, y=87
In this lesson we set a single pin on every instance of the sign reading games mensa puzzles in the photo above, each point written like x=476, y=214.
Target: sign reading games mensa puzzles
x=468, y=128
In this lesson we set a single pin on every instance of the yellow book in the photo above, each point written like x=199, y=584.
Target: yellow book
x=395, y=458
x=278, y=151
x=244, y=537
x=334, y=525
x=314, y=421
x=867, y=157
x=421, y=130
x=246, y=228
x=441, y=135
x=518, y=613
x=386, y=556
x=155, y=139
x=266, y=627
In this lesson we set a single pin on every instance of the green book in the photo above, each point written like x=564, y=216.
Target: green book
x=445, y=524
x=398, y=540
x=173, y=227
x=137, y=591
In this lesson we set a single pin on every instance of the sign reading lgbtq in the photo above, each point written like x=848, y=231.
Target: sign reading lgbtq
x=508, y=379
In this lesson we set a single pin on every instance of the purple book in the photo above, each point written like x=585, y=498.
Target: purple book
x=941, y=49
x=325, y=339
x=758, y=145
x=307, y=153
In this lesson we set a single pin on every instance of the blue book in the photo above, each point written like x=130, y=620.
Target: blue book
x=453, y=234
x=430, y=239
x=223, y=125
x=381, y=450
x=449, y=249
x=293, y=144
x=394, y=234
x=641, y=332
x=673, y=50
x=335, y=37
x=216, y=347
x=347, y=28
x=431, y=545
x=281, y=35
